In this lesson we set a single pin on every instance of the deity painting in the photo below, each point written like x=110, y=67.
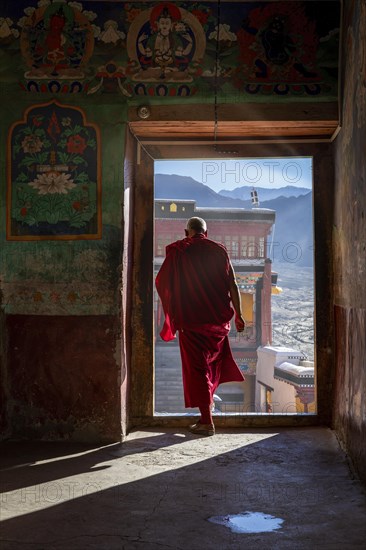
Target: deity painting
x=53, y=175
x=165, y=44
x=56, y=42
x=279, y=46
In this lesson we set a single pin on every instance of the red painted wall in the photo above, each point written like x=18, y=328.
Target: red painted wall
x=62, y=374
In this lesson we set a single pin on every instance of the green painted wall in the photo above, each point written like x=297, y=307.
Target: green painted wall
x=69, y=276
x=238, y=65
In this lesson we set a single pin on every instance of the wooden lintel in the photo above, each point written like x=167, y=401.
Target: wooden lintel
x=242, y=121
x=239, y=112
x=233, y=130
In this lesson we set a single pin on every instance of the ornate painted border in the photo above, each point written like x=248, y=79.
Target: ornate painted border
x=86, y=236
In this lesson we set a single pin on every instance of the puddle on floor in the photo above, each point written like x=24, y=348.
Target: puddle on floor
x=249, y=522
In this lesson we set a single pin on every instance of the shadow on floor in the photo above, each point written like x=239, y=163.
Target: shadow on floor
x=159, y=489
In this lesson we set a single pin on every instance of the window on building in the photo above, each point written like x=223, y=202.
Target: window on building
x=269, y=407
x=252, y=252
x=261, y=247
x=173, y=207
x=266, y=399
x=160, y=248
x=216, y=238
x=244, y=246
x=235, y=246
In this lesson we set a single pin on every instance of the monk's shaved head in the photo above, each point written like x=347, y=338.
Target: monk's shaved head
x=198, y=225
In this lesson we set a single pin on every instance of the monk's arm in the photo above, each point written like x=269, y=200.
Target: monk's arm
x=235, y=299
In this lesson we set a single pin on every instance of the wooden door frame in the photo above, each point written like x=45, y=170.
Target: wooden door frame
x=141, y=360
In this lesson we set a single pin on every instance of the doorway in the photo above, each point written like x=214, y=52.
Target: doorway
x=141, y=278
x=261, y=210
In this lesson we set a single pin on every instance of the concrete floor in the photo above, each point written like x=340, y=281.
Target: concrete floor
x=158, y=489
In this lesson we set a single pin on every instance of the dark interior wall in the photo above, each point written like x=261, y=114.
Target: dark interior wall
x=350, y=241
x=63, y=391
x=323, y=193
x=2, y=370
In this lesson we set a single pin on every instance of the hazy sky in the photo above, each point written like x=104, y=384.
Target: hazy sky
x=229, y=174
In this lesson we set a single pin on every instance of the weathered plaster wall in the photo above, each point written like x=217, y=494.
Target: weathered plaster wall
x=2, y=370
x=61, y=307
x=350, y=241
x=82, y=272
x=62, y=376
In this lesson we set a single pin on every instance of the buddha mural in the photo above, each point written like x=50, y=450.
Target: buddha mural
x=165, y=44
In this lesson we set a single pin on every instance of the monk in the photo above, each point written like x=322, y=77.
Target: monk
x=196, y=285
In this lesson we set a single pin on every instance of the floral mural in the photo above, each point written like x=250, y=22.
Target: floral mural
x=53, y=175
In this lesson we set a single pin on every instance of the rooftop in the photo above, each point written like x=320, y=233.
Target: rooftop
x=295, y=374
x=183, y=209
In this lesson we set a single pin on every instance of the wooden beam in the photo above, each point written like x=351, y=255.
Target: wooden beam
x=239, y=149
x=239, y=112
x=248, y=121
x=242, y=129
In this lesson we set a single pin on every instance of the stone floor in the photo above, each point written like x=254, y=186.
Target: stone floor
x=158, y=489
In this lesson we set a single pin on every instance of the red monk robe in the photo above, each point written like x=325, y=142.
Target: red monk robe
x=193, y=284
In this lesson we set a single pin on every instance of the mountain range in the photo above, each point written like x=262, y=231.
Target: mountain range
x=264, y=194
x=184, y=187
x=293, y=232
x=292, y=235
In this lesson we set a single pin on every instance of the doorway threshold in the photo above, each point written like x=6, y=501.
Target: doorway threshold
x=234, y=420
